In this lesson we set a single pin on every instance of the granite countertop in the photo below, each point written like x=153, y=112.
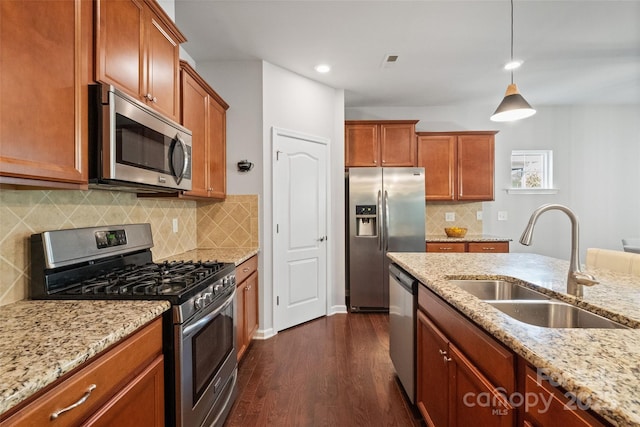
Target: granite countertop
x=42, y=340
x=599, y=366
x=234, y=255
x=467, y=238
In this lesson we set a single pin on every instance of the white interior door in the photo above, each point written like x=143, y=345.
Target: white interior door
x=300, y=228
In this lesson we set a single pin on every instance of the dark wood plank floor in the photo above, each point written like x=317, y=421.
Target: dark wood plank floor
x=333, y=371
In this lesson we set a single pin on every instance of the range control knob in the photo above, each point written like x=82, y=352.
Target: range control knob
x=199, y=302
x=218, y=288
x=208, y=297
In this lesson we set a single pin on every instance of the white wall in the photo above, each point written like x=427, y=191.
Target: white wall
x=596, y=154
x=262, y=96
x=296, y=103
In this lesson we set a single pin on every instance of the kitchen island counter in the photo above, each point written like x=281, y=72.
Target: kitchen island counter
x=599, y=366
x=40, y=341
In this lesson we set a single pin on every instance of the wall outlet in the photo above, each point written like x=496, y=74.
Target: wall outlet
x=174, y=225
x=450, y=216
x=479, y=215
x=502, y=216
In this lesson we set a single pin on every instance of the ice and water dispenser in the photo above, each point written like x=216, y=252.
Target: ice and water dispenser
x=366, y=220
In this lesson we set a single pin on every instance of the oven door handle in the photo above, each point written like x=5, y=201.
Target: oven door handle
x=206, y=319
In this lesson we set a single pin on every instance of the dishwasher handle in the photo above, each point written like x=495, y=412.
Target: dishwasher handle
x=403, y=278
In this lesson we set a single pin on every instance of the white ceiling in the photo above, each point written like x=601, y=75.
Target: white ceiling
x=450, y=52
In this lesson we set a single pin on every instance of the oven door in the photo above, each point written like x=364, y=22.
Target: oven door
x=206, y=366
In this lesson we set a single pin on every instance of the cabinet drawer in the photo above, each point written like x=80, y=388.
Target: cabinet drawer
x=495, y=247
x=445, y=247
x=104, y=376
x=561, y=410
x=485, y=352
x=246, y=268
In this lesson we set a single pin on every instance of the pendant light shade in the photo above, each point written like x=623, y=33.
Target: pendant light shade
x=513, y=106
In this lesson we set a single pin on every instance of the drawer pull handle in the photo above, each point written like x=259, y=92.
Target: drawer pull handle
x=488, y=248
x=244, y=270
x=445, y=249
x=80, y=401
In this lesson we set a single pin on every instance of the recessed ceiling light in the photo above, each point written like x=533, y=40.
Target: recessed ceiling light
x=323, y=68
x=512, y=65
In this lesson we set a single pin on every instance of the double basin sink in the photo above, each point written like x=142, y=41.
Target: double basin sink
x=532, y=307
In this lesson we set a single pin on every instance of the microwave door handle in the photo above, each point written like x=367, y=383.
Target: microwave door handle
x=185, y=163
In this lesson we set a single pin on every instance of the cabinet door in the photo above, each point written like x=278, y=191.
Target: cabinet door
x=119, y=45
x=552, y=407
x=361, y=145
x=432, y=372
x=241, y=341
x=474, y=400
x=139, y=403
x=398, y=144
x=251, y=306
x=437, y=154
x=475, y=167
x=194, y=117
x=162, y=51
x=45, y=52
x=495, y=247
x=217, y=150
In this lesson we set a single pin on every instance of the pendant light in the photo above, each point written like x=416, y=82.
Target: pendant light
x=513, y=106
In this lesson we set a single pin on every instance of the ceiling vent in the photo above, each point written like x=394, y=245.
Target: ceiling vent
x=389, y=60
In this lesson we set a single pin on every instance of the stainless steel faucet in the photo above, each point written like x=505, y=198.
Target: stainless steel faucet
x=576, y=279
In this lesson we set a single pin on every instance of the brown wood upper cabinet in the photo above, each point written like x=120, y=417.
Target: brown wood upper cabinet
x=380, y=143
x=458, y=165
x=43, y=101
x=204, y=113
x=137, y=50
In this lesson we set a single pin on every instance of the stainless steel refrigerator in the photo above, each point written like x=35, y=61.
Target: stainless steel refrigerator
x=385, y=213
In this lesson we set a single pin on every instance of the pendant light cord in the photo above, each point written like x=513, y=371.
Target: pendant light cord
x=512, y=40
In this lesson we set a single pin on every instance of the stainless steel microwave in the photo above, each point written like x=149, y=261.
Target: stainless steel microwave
x=133, y=148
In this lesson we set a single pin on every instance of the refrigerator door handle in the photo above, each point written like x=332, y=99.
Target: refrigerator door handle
x=379, y=222
x=385, y=202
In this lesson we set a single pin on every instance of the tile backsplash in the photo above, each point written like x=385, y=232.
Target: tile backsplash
x=25, y=212
x=229, y=223
x=465, y=214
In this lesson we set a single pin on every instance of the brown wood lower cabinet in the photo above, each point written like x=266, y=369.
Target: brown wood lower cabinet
x=461, y=381
x=123, y=386
x=475, y=247
x=548, y=406
x=246, y=303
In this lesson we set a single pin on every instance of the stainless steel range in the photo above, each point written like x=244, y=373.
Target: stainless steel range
x=115, y=262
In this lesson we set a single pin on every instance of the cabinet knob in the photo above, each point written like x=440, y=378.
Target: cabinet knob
x=442, y=352
x=446, y=359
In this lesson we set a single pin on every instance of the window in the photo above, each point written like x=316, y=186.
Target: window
x=531, y=170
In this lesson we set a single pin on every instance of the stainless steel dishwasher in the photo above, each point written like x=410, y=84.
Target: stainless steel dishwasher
x=403, y=296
